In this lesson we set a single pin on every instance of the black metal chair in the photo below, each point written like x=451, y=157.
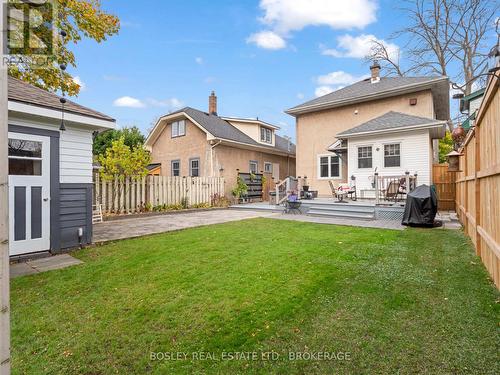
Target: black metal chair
x=292, y=207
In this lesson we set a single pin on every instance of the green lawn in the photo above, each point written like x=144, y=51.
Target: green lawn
x=413, y=301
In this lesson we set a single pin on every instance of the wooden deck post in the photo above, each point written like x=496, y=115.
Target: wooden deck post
x=377, y=192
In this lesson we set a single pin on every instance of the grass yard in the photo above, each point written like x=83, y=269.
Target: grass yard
x=413, y=301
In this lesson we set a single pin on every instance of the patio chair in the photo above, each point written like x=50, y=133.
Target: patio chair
x=342, y=191
x=393, y=190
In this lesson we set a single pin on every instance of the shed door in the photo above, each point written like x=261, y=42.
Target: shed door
x=29, y=193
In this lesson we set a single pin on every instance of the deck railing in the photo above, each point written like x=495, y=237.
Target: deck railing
x=392, y=188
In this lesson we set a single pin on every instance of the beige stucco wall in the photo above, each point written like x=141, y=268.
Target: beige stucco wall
x=316, y=131
x=231, y=158
x=195, y=145
x=192, y=145
x=252, y=130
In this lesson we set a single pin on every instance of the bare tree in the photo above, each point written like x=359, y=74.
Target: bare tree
x=442, y=36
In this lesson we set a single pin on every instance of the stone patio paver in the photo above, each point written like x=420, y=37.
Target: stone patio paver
x=32, y=267
x=142, y=226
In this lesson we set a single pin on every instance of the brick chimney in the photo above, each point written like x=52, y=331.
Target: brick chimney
x=375, y=70
x=212, y=104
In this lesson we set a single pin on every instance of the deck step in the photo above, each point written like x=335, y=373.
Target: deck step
x=343, y=208
x=340, y=214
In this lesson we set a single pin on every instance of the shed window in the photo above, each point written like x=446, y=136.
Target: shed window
x=392, y=155
x=25, y=157
x=365, y=157
x=178, y=128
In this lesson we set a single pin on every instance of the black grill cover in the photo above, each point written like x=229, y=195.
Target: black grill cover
x=421, y=207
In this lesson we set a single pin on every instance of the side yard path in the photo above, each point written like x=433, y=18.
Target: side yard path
x=397, y=302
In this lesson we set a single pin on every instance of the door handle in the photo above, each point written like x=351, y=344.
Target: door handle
x=46, y=199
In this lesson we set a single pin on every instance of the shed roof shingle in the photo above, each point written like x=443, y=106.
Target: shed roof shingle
x=388, y=121
x=23, y=92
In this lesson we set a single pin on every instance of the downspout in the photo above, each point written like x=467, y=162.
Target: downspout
x=212, y=174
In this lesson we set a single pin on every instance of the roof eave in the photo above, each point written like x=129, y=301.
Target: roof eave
x=269, y=150
x=392, y=130
x=384, y=94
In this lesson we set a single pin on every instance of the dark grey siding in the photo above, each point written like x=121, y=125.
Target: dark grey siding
x=75, y=212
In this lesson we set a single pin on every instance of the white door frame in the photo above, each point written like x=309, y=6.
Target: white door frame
x=29, y=245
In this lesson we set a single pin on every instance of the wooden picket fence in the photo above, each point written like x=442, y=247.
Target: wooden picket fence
x=444, y=182
x=138, y=195
x=478, y=182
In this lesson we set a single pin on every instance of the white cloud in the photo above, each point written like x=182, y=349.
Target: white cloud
x=338, y=78
x=284, y=16
x=199, y=60
x=128, y=102
x=359, y=46
x=80, y=83
x=267, y=40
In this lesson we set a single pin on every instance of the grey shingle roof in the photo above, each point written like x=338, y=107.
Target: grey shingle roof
x=220, y=128
x=23, y=92
x=388, y=121
x=366, y=88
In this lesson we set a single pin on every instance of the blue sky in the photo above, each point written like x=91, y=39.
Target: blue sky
x=260, y=57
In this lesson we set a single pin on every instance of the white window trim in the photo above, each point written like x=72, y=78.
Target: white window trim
x=357, y=157
x=268, y=163
x=191, y=167
x=318, y=160
x=177, y=124
x=265, y=130
x=400, y=154
x=172, y=167
x=253, y=162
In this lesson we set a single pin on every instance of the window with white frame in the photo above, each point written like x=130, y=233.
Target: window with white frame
x=329, y=166
x=365, y=157
x=178, y=128
x=268, y=167
x=194, y=167
x=266, y=135
x=392, y=155
x=254, y=167
x=176, y=168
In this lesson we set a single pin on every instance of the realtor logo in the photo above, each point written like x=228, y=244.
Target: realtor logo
x=31, y=28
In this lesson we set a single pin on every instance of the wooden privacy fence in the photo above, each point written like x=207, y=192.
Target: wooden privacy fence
x=445, y=183
x=137, y=195
x=478, y=183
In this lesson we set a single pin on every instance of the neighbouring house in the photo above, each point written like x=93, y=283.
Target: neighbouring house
x=387, y=125
x=50, y=170
x=469, y=106
x=194, y=143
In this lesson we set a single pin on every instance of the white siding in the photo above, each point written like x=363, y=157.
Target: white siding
x=75, y=149
x=416, y=154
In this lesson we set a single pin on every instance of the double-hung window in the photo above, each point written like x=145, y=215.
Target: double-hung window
x=329, y=166
x=365, y=158
x=194, y=167
x=392, y=155
x=178, y=128
x=254, y=167
x=266, y=135
x=268, y=167
x=176, y=168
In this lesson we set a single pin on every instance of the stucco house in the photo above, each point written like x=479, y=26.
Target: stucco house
x=50, y=170
x=194, y=143
x=387, y=125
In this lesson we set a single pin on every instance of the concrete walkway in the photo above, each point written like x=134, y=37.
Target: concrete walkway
x=32, y=267
x=142, y=226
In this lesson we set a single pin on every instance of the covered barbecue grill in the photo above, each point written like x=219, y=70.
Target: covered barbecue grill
x=421, y=207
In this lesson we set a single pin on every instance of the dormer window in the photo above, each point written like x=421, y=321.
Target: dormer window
x=266, y=135
x=178, y=128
